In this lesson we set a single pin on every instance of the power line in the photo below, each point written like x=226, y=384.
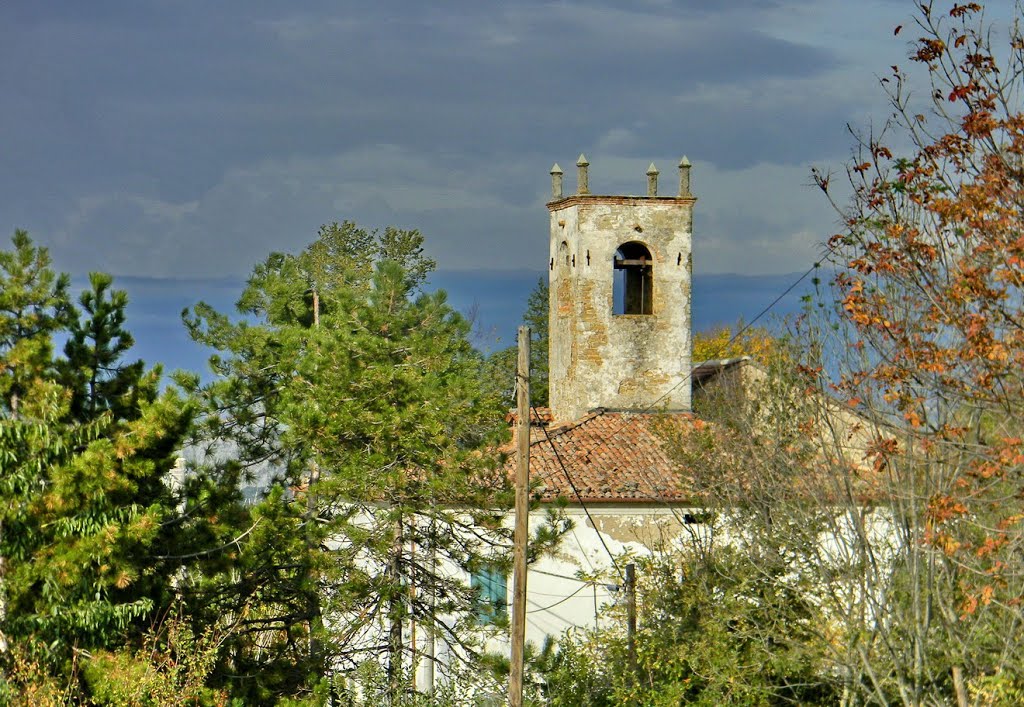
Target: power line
x=560, y=576
x=560, y=595
x=579, y=498
x=560, y=601
x=724, y=347
x=583, y=549
x=686, y=378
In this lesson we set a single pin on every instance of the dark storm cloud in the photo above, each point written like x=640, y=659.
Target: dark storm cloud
x=184, y=86
x=169, y=138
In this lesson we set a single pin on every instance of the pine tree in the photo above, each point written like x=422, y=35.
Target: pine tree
x=94, y=370
x=502, y=363
x=34, y=304
x=358, y=400
x=91, y=536
x=536, y=317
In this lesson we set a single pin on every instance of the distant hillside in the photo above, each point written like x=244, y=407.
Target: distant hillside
x=494, y=299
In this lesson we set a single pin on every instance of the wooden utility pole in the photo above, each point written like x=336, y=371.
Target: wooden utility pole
x=631, y=618
x=522, y=529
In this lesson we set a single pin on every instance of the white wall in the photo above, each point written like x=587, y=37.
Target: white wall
x=569, y=587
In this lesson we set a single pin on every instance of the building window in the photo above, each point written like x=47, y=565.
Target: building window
x=492, y=588
x=633, y=290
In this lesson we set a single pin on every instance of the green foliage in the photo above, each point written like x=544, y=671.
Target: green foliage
x=171, y=667
x=168, y=666
x=712, y=630
x=94, y=371
x=502, y=364
x=348, y=396
x=26, y=678
x=999, y=688
x=536, y=317
x=723, y=342
x=33, y=305
x=88, y=529
x=355, y=401
x=85, y=537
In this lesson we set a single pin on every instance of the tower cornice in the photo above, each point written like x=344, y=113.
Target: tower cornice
x=600, y=199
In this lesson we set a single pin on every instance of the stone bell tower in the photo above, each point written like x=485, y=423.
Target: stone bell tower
x=620, y=277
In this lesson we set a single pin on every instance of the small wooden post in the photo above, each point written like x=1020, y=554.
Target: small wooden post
x=521, y=533
x=631, y=618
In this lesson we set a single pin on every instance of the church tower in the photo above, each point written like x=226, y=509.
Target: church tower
x=619, y=319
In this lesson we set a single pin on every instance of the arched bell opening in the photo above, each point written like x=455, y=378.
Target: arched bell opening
x=633, y=287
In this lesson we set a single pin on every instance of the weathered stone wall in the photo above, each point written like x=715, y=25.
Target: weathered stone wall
x=597, y=358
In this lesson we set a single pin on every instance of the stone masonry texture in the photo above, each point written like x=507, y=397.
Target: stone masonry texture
x=620, y=362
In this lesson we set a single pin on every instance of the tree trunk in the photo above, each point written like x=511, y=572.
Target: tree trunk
x=961, y=689
x=395, y=617
x=3, y=602
x=313, y=609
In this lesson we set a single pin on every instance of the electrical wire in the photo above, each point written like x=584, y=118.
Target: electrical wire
x=579, y=498
x=722, y=350
x=560, y=595
x=559, y=576
x=560, y=601
x=686, y=378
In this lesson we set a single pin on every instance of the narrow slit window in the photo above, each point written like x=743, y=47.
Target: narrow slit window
x=633, y=291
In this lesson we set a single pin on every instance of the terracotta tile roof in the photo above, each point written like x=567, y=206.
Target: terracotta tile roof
x=611, y=457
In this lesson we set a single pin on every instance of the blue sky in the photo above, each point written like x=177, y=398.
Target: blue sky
x=183, y=141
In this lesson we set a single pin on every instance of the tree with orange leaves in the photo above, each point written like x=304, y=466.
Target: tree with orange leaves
x=882, y=462
x=929, y=347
